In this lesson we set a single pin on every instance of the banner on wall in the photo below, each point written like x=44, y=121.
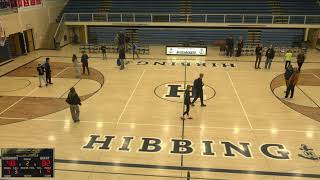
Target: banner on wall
x=24, y=3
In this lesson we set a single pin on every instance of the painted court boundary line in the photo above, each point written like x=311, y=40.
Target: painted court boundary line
x=131, y=174
x=243, y=109
x=32, y=91
x=316, y=76
x=128, y=101
x=163, y=125
x=308, y=97
x=188, y=168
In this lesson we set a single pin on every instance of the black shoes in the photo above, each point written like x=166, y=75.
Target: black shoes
x=202, y=105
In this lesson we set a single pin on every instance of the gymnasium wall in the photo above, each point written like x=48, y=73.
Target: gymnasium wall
x=41, y=19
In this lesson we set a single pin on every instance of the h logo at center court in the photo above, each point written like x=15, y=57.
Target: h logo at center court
x=174, y=91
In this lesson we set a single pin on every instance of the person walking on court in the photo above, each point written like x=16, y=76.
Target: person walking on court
x=294, y=78
x=85, y=63
x=300, y=59
x=135, y=50
x=104, y=52
x=288, y=58
x=74, y=101
x=40, y=70
x=198, y=90
x=47, y=69
x=258, y=56
x=269, y=57
x=122, y=57
x=76, y=66
x=187, y=102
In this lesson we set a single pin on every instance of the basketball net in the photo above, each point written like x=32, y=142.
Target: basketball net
x=2, y=34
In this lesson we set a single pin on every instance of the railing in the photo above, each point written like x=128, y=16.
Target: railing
x=59, y=32
x=193, y=18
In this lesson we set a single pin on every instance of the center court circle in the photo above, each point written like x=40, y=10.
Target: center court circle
x=173, y=91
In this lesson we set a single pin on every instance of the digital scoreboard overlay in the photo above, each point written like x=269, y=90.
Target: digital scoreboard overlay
x=29, y=162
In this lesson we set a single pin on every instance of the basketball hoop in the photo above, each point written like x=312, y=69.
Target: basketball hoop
x=2, y=34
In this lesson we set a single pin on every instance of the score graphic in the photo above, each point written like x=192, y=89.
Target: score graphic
x=27, y=162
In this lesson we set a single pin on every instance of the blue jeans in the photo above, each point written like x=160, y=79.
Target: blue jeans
x=268, y=63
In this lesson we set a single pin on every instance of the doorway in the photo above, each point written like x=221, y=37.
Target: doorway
x=28, y=34
x=17, y=46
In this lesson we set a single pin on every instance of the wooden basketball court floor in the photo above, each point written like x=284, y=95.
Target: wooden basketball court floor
x=130, y=125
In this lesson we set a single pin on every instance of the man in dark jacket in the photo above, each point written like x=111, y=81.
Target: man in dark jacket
x=269, y=57
x=198, y=90
x=229, y=43
x=47, y=69
x=104, y=51
x=240, y=46
x=300, y=59
x=187, y=102
x=85, y=63
x=287, y=74
x=74, y=101
x=258, y=56
x=122, y=57
x=294, y=78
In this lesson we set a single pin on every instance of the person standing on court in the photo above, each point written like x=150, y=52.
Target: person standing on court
x=40, y=70
x=292, y=82
x=288, y=58
x=135, y=50
x=74, y=101
x=187, y=102
x=85, y=63
x=287, y=74
x=258, y=56
x=269, y=57
x=229, y=43
x=122, y=57
x=47, y=69
x=121, y=40
x=198, y=90
x=240, y=46
x=104, y=52
x=76, y=65
x=300, y=59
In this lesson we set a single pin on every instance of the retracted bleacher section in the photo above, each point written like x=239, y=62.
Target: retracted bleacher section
x=282, y=37
x=231, y=7
x=128, y=7
x=214, y=11
x=166, y=35
x=300, y=7
x=85, y=6
x=145, y=6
